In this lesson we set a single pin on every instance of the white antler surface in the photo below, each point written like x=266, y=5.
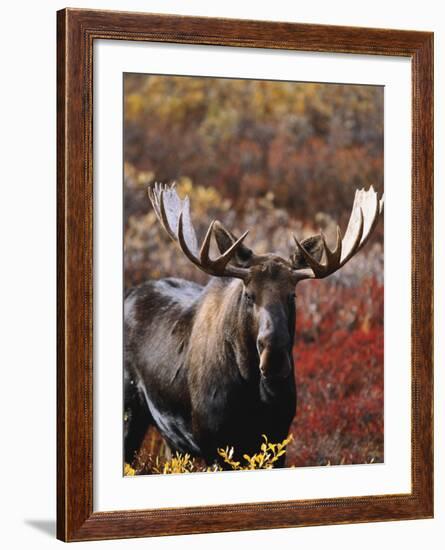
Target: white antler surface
x=364, y=216
x=174, y=215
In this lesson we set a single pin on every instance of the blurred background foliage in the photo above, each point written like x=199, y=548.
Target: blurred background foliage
x=310, y=145
x=274, y=158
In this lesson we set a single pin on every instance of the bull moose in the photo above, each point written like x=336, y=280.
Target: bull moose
x=211, y=366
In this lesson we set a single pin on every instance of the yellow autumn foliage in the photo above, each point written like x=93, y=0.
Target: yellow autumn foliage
x=265, y=459
x=128, y=470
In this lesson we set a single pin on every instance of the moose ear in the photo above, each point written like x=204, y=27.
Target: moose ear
x=314, y=245
x=225, y=239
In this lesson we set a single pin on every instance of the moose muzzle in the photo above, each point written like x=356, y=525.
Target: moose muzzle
x=274, y=344
x=275, y=363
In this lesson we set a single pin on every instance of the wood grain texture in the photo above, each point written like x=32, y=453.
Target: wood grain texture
x=76, y=32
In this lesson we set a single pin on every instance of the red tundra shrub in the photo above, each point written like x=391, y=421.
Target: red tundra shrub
x=339, y=374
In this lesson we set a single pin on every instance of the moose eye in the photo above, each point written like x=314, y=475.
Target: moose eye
x=250, y=298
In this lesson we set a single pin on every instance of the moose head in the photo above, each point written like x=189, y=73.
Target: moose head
x=266, y=303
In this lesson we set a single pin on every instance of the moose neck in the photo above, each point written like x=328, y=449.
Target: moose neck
x=231, y=327
x=242, y=335
x=220, y=337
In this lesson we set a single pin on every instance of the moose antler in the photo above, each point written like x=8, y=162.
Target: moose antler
x=174, y=216
x=364, y=216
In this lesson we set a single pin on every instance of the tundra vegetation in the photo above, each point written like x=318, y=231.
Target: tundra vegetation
x=277, y=159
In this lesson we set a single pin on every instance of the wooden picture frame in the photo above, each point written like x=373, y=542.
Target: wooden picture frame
x=76, y=32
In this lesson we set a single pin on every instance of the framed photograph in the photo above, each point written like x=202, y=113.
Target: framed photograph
x=245, y=228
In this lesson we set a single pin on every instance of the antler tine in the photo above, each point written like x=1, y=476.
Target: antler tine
x=176, y=220
x=356, y=242
x=332, y=256
x=364, y=217
x=156, y=198
x=167, y=206
x=381, y=204
x=164, y=218
x=217, y=267
x=182, y=242
x=222, y=261
x=153, y=200
x=205, y=247
x=377, y=210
